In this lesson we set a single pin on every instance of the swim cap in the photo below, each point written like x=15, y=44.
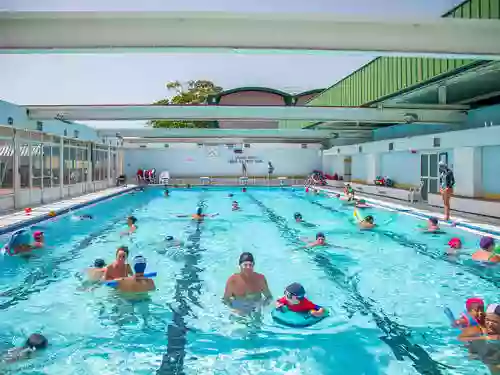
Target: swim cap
x=37, y=235
x=246, y=257
x=296, y=289
x=369, y=218
x=199, y=210
x=320, y=235
x=99, y=263
x=455, y=243
x=493, y=309
x=230, y=195
x=486, y=242
x=133, y=219
x=297, y=215
x=169, y=238
x=139, y=264
x=36, y=341
x=433, y=220
x=472, y=301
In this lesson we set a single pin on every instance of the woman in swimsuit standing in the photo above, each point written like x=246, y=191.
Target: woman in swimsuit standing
x=447, y=181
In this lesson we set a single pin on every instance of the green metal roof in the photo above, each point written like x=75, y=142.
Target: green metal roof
x=385, y=77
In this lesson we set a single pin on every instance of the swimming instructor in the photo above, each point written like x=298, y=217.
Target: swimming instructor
x=246, y=289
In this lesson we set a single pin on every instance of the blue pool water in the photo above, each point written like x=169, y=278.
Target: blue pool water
x=386, y=290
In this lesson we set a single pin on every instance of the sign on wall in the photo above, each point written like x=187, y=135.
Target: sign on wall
x=212, y=152
x=245, y=159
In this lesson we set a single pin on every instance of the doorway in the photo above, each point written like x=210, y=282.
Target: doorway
x=347, y=168
x=429, y=171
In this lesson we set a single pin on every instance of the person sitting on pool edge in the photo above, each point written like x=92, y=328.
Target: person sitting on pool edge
x=367, y=222
x=35, y=342
x=137, y=283
x=487, y=253
x=131, y=220
x=97, y=271
x=295, y=300
x=119, y=268
x=320, y=240
x=247, y=289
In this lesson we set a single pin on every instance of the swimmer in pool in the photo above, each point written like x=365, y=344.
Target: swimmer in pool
x=489, y=331
x=230, y=195
x=298, y=219
x=119, y=268
x=487, y=253
x=35, y=342
x=97, y=271
x=166, y=193
x=247, y=289
x=199, y=215
x=432, y=225
x=295, y=300
x=235, y=206
x=82, y=217
x=473, y=316
x=453, y=246
x=349, y=192
x=320, y=240
x=170, y=241
x=367, y=222
x=137, y=283
x=361, y=204
x=131, y=220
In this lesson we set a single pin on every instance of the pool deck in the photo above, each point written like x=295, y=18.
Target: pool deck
x=19, y=219
x=477, y=224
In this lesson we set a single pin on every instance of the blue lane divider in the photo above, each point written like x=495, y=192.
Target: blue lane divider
x=187, y=291
x=35, y=220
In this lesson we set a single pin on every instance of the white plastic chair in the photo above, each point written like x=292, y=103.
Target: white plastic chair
x=415, y=194
x=164, y=178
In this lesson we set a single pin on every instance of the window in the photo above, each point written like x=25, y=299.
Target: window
x=360, y=149
x=55, y=164
x=39, y=126
x=6, y=165
x=437, y=142
x=76, y=133
x=36, y=164
x=391, y=146
x=47, y=165
x=65, y=132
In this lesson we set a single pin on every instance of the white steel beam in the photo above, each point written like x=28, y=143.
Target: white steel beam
x=208, y=112
x=103, y=32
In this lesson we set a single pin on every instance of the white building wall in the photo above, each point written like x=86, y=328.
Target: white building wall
x=189, y=160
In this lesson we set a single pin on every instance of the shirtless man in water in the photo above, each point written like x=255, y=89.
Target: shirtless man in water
x=119, y=268
x=244, y=290
x=137, y=283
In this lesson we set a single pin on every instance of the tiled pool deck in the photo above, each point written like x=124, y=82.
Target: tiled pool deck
x=19, y=219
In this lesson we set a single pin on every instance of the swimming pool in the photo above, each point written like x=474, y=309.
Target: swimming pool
x=386, y=288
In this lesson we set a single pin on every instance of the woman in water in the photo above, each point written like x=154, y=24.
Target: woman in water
x=487, y=252
x=119, y=268
x=131, y=220
x=35, y=342
x=247, y=289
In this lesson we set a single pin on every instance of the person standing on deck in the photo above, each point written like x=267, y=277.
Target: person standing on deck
x=270, y=170
x=244, y=168
x=447, y=182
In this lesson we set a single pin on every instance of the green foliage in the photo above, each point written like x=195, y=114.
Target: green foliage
x=194, y=93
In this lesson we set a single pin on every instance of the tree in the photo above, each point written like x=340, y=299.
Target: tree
x=194, y=93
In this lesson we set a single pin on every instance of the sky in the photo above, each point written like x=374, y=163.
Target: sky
x=141, y=78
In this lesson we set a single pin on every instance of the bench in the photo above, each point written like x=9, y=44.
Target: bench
x=385, y=191
x=468, y=205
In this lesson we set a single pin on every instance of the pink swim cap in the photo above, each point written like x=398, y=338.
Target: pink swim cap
x=37, y=235
x=474, y=300
x=455, y=243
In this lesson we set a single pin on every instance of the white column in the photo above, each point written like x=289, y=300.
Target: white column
x=61, y=167
x=16, y=168
x=372, y=167
x=442, y=94
x=467, y=168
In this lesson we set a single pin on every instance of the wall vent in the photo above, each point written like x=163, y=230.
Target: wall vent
x=143, y=146
x=391, y=146
x=436, y=142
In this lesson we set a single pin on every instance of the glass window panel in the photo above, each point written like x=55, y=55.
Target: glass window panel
x=424, y=165
x=24, y=165
x=433, y=165
x=67, y=165
x=433, y=185
x=47, y=166
x=36, y=164
x=55, y=164
x=6, y=166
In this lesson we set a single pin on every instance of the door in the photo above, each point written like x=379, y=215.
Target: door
x=429, y=172
x=347, y=168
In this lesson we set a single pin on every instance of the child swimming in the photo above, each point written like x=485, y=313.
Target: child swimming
x=295, y=300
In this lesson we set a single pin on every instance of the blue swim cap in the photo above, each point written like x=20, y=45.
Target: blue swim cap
x=169, y=238
x=199, y=210
x=139, y=264
x=296, y=289
x=320, y=235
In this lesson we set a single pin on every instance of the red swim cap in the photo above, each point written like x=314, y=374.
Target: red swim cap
x=473, y=300
x=455, y=243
